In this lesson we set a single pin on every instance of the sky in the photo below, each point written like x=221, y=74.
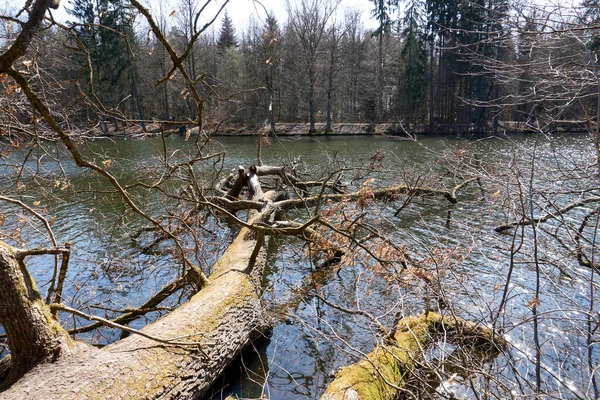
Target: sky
x=241, y=10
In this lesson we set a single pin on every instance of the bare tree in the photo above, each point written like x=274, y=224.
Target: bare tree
x=308, y=21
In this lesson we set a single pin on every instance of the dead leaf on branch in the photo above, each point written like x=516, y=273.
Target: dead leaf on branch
x=533, y=302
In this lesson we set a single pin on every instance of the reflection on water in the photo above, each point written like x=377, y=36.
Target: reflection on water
x=300, y=357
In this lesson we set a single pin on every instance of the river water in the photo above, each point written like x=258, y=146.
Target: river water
x=310, y=339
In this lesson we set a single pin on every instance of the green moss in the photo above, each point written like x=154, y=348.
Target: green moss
x=169, y=368
x=228, y=289
x=244, y=289
x=11, y=250
x=391, y=364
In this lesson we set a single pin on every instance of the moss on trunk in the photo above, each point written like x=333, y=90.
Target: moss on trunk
x=33, y=336
x=224, y=317
x=389, y=366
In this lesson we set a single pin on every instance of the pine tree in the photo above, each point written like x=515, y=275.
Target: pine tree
x=413, y=63
x=106, y=30
x=592, y=18
x=382, y=13
x=227, y=38
x=84, y=13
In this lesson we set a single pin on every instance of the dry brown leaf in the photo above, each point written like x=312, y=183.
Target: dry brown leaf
x=533, y=302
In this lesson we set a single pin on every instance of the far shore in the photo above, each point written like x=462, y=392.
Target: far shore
x=337, y=129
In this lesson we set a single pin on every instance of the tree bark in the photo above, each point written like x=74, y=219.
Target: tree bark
x=389, y=366
x=33, y=336
x=311, y=104
x=431, y=91
x=379, y=100
x=220, y=320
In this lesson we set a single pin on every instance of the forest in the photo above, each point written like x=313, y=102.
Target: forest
x=163, y=236
x=464, y=65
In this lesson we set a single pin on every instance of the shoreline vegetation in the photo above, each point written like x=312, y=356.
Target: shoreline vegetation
x=340, y=129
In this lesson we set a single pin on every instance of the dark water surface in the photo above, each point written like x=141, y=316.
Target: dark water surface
x=306, y=346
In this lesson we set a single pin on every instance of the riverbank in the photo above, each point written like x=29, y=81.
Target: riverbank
x=341, y=129
x=348, y=129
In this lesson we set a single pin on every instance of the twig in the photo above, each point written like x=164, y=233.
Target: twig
x=62, y=307
x=560, y=211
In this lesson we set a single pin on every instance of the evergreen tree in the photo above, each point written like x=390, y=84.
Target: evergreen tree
x=105, y=28
x=441, y=19
x=382, y=13
x=591, y=18
x=591, y=11
x=413, y=64
x=84, y=12
x=227, y=38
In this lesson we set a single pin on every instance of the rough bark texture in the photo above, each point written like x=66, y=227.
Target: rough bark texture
x=224, y=316
x=391, y=364
x=32, y=335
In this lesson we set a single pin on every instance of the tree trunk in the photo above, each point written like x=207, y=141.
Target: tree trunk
x=224, y=317
x=328, y=117
x=330, y=84
x=431, y=87
x=138, y=103
x=166, y=100
x=311, y=105
x=394, y=362
x=380, y=79
x=33, y=336
x=329, y=99
x=271, y=114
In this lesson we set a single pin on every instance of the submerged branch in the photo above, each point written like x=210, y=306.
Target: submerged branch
x=145, y=308
x=558, y=212
x=377, y=194
x=389, y=366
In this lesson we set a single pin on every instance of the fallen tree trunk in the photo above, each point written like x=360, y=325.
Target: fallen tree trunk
x=388, y=367
x=218, y=322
